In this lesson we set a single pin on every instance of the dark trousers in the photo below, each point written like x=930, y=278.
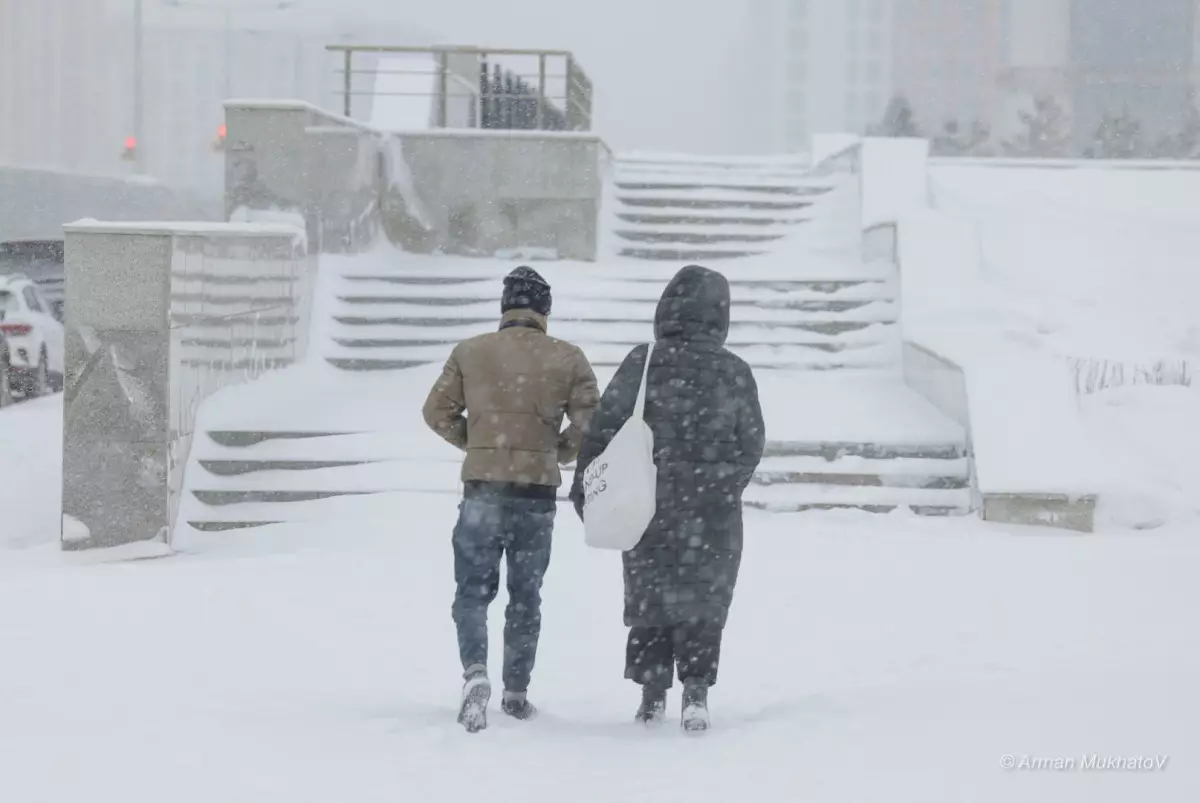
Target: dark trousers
x=488, y=530
x=653, y=652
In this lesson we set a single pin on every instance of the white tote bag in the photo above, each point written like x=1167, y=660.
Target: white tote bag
x=620, y=486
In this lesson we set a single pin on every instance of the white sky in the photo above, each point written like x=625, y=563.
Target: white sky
x=659, y=66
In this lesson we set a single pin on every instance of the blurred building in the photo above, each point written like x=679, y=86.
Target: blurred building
x=67, y=79
x=56, y=68
x=1137, y=58
x=827, y=65
x=987, y=59
x=948, y=58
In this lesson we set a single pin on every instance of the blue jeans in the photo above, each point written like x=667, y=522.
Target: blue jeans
x=488, y=529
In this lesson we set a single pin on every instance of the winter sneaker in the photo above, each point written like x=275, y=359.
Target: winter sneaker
x=653, y=709
x=477, y=691
x=695, y=706
x=517, y=705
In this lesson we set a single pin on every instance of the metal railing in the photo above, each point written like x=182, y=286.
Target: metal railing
x=473, y=87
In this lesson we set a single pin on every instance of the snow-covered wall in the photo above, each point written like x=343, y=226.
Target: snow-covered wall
x=1025, y=433
x=292, y=156
x=158, y=317
x=459, y=190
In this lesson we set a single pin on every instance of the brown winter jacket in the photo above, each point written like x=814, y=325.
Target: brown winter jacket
x=515, y=386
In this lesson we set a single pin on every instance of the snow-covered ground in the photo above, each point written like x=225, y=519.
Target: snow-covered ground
x=30, y=473
x=1047, y=285
x=1097, y=263
x=888, y=658
x=866, y=659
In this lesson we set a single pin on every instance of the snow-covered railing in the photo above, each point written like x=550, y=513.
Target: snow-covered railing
x=467, y=87
x=159, y=317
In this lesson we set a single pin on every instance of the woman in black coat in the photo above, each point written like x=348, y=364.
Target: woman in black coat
x=702, y=406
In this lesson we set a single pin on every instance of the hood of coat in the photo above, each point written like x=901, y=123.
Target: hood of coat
x=695, y=306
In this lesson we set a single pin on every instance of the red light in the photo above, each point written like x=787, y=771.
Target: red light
x=17, y=329
x=221, y=131
x=130, y=143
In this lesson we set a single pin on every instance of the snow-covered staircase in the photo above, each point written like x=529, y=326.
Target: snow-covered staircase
x=695, y=209
x=391, y=317
x=341, y=438
x=825, y=352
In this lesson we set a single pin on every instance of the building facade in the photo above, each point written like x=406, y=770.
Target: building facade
x=827, y=66
x=1138, y=59
x=988, y=60
x=67, y=78
x=55, y=70
x=948, y=58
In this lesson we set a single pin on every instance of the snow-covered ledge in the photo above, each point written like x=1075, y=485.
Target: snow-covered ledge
x=1029, y=458
x=158, y=317
x=1025, y=453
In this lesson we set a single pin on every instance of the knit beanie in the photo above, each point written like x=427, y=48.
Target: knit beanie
x=525, y=288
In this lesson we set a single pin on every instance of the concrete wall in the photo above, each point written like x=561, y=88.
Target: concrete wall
x=290, y=156
x=158, y=318
x=35, y=203
x=469, y=192
x=492, y=191
x=943, y=383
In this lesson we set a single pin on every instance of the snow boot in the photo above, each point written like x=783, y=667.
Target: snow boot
x=476, y=693
x=516, y=704
x=695, y=706
x=653, y=709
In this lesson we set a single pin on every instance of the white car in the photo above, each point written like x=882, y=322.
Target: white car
x=35, y=337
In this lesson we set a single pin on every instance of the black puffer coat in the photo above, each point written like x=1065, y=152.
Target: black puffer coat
x=702, y=405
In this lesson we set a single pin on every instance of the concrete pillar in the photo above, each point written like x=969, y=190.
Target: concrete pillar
x=158, y=317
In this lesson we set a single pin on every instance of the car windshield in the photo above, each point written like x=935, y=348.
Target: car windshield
x=8, y=302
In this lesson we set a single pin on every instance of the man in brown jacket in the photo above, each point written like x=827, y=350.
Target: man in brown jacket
x=501, y=399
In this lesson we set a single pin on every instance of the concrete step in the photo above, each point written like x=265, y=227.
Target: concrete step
x=402, y=364
x=645, y=289
x=663, y=201
x=377, y=322
x=257, y=510
x=416, y=269
x=237, y=468
x=250, y=482
x=628, y=183
x=693, y=237
x=618, y=332
x=395, y=354
x=836, y=450
x=381, y=344
x=244, y=438
x=674, y=254
x=860, y=480
x=382, y=468
x=277, y=497
x=778, y=303
x=576, y=309
x=939, y=511
x=798, y=497
x=698, y=217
